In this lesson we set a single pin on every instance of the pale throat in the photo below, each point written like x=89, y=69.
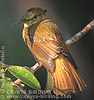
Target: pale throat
x=25, y=25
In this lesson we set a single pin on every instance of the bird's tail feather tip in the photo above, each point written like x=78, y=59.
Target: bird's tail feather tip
x=66, y=78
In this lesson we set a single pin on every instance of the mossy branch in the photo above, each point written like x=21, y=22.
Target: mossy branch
x=80, y=34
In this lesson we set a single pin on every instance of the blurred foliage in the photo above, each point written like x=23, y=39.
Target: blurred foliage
x=8, y=88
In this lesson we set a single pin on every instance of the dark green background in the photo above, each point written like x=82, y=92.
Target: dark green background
x=70, y=15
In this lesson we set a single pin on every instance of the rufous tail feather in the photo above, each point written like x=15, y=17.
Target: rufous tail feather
x=66, y=78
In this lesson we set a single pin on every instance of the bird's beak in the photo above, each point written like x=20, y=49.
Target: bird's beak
x=21, y=21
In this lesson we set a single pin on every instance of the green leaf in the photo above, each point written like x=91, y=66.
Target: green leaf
x=25, y=76
x=6, y=89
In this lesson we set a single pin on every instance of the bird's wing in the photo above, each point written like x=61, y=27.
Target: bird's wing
x=48, y=44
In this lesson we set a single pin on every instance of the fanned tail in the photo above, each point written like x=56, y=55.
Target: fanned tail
x=66, y=78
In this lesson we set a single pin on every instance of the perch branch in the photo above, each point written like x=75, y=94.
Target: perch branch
x=80, y=34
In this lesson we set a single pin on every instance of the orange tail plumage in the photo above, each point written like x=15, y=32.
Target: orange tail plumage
x=66, y=78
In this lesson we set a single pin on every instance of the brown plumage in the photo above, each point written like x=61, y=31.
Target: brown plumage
x=66, y=79
x=48, y=48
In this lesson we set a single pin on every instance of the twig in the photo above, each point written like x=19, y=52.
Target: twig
x=18, y=81
x=80, y=34
x=35, y=67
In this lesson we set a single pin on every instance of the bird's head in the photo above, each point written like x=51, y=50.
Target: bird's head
x=33, y=16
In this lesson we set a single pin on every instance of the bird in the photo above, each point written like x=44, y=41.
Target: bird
x=45, y=41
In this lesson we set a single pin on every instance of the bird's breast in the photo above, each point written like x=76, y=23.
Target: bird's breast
x=26, y=37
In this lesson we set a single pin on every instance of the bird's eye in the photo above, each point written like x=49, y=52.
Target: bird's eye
x=35, y=17
x=45, y=10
